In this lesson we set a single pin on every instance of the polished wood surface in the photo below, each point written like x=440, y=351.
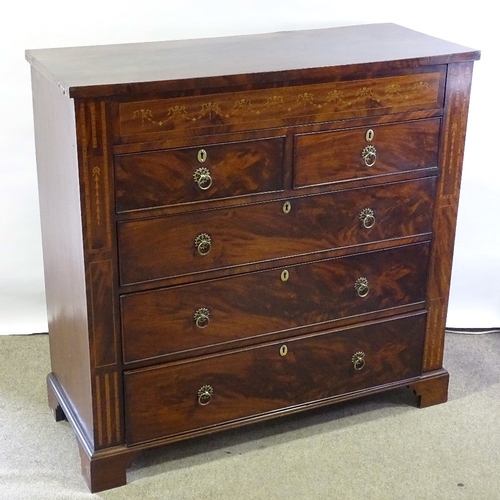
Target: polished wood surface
x=290, y=105
x=164, y=400
x=445, y=215
x=108, y=70
x=159, y=178
x=326, y=277
x=163, y=247
x=64, y=264
x=162, y=322
x=336, y=156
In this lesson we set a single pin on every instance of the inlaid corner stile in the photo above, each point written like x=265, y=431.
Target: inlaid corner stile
x=108, y=409
x=95, y=171
x=92, y=123
x=445, y=214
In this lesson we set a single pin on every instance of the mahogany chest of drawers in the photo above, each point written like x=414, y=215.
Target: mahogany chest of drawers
x=240, y=228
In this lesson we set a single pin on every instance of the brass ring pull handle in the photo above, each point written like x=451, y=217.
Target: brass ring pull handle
x=367, y=218
x=369, y=155
x=361, y=287
x=358, y=360
x=205, y=395
x=203, y=178
x=203, y=243
x=202, y=317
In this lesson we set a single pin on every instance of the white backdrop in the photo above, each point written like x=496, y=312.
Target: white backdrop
x=475, y=297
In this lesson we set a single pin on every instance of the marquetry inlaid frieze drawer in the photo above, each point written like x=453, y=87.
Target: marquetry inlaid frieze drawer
x=283, y=105
x=236, y=229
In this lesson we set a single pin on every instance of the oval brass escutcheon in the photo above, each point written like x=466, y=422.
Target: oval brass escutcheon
x=202, y=156
x=285, y=275
x=287, y=206
x=283, y=350
x=370, y=134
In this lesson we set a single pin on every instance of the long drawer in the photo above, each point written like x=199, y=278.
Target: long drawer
x=357, y=153
x=219, y=389
x=285, y=105
x=184, y=175
x=217, y=312
x=163, y=247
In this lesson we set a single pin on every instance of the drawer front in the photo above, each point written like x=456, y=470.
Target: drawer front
x=160, y=178
x=164, y=247
x=220, y=311
x=365, y=152
x=282, y=106
x=182, y=397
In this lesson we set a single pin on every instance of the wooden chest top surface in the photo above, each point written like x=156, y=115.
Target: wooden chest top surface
x=109, y=70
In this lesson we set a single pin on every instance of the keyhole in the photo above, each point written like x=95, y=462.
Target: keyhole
x=287, y=206
x=202, y=156
x=283, y=350
x=370, y=134
x=285, y=275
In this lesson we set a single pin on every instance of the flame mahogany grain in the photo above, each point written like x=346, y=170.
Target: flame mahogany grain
x=283, y=119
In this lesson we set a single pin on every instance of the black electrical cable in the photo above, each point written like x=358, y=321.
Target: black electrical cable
x=472, y=331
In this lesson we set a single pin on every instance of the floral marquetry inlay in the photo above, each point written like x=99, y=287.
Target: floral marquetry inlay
x=316, y=102
x=96, y=174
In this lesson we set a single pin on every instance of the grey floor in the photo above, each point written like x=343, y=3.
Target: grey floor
x=379, y=448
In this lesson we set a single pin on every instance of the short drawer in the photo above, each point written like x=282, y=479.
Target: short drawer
x=176, y=245
x=227, y=388
x=358, y=153
x=184, y=175
x=220, y=311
